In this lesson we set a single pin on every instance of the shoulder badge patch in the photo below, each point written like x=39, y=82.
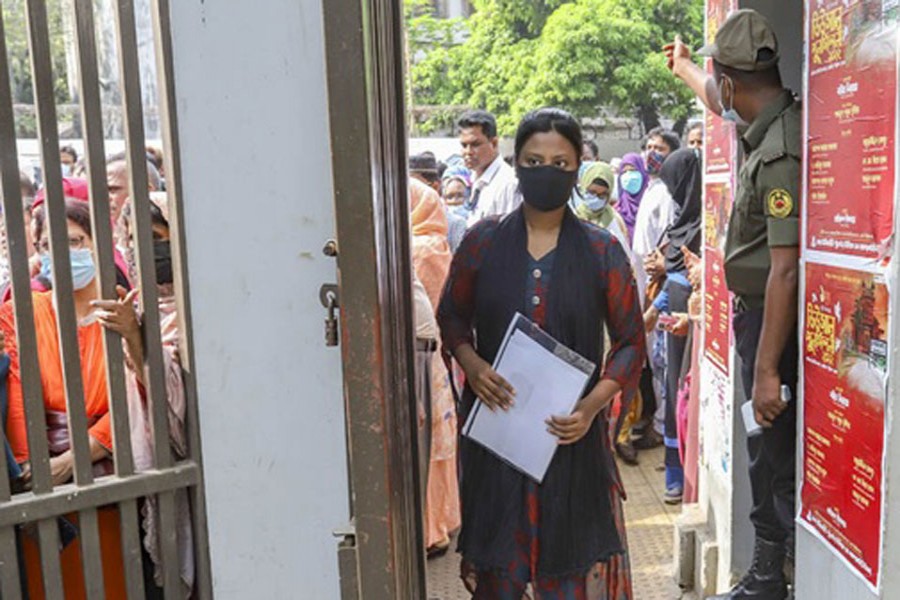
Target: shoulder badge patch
x=781, y=204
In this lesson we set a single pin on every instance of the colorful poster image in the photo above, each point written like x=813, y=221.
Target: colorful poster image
x=720, y=144
x=851, y=104
x=717, y=298
x=845, y=360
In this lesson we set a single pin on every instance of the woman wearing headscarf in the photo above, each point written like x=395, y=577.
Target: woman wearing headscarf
x=431, y=260
x=456, y=191
x=683, y=177
x=565, y=536
x=597, y=207
x=654, y=216
x=118, y=318
x=632, y=184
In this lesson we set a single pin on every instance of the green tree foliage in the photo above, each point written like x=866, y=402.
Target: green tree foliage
x=511, y=56
x=16, y=30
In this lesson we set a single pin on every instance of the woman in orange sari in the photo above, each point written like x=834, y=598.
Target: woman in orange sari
x=431, y=259
x=93, y=372
x=94, y=314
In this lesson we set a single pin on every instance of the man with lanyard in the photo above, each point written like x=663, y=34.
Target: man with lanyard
x=761, y=267
x=495, y=190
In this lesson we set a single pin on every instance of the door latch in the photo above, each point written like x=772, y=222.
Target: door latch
x=328, y=296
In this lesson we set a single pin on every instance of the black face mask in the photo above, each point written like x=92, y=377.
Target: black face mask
x=547, y=187
x=162, y=255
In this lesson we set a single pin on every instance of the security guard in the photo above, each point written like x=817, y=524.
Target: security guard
x=761, y=268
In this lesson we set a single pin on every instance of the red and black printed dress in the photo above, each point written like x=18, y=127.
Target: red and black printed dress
x=565, y=536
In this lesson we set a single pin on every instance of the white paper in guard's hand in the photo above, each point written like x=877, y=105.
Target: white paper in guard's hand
x=753, y=428
x=545, y=386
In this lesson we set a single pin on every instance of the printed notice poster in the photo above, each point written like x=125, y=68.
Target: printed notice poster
x=720, y=144
x=716, y=421
x=851, y=104
x=717, y=298
x=845, y=352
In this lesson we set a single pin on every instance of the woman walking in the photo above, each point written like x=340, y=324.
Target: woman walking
x=565, y=537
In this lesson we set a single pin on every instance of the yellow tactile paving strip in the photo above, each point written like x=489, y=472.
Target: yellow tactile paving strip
x=650, y=535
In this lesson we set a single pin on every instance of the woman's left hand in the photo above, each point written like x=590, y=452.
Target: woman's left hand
x=571, y=428
x=680, y=325
x=119, y=315
x=61, y=468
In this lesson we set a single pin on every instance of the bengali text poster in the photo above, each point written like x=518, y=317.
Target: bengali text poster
x=851, y=104
x=845, y=354
x=717, y=298
x=721, y=138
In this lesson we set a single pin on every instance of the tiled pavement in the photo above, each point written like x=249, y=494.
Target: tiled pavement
x=650, y=535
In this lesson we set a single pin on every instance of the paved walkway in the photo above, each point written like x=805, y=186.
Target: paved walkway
x=650, y=539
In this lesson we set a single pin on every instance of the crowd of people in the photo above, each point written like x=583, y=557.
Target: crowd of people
x=602, y=252
x=95, y=315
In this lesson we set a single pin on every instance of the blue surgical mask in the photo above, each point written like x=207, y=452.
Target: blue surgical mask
x=45, y=266
x=730, y=114
x=460, y=210
x=632, y=181
x=83, y=268
x=594, y=202
x=66, y=170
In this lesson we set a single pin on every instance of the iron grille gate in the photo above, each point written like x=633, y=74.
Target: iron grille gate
x=125, y=489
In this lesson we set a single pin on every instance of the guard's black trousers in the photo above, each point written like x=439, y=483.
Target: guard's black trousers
x=772, y=454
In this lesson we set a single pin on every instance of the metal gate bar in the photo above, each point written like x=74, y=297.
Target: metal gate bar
x=106, y=490
x=363, y=44
x=14, y=221
x=95, y=163
x=162, y=23
x=63, y=289
x=48, y=533
x=10, y=583
x=154, y=377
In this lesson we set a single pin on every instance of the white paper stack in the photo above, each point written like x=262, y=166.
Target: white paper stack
x=547, y=382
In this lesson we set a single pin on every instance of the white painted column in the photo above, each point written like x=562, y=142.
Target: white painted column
x=250, y=81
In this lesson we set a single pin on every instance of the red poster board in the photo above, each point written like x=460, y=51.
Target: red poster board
x=852, y=97
x=845, y=361
x=720, y=143
x=717, y=298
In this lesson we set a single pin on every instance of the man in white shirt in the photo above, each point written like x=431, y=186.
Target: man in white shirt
x=495, y=190
x=655, y=215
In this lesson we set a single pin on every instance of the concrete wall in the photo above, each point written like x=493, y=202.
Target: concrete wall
x=787, y=21
x=258, y=202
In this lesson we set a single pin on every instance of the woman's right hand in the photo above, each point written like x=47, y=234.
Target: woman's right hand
x=655, y=264
x=651, y=316
x=490, y=387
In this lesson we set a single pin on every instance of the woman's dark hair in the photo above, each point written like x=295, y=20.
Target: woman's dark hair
x=77, y=211
x=544, y=120
x=156, y=216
